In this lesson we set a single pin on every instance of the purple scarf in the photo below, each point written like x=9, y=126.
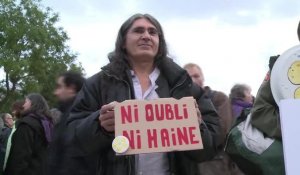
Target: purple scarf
x=48, y=128
x=238, y=106
x=47, y=125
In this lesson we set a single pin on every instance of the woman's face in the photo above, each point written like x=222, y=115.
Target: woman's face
x=27, y=104
x=142, y=40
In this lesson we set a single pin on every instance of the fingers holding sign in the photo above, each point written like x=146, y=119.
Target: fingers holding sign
x=107, y=116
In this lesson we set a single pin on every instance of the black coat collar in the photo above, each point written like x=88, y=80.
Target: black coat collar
x=170, y=70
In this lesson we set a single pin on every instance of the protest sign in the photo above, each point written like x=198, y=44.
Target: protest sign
x=160, y=125
x=285, y=75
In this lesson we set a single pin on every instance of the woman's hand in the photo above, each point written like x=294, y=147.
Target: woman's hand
x=107, y=116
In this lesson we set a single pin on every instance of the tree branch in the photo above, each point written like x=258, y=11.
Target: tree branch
x=7, y=81
x=13, y=87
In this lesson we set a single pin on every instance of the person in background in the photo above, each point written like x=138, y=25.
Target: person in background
x=60, y=161
x=55, y=114
x=1, y=124
x=139, y=69
x=219, y=99
x=4, y=134
x=16, y=109
x=8, y=123
x=221, y=163
x=8, y=120
x=68, y=84
x=29, y=142
x=241, y=98
x=265, y=113
x=1, y=163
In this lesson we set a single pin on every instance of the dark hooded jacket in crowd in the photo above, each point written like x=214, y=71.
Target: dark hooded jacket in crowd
x=29, y=145
x=4, y=134
x=61, y=161
x=114, y=83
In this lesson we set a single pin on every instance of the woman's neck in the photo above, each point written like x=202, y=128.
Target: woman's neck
x=142, y=70
x=142, y=67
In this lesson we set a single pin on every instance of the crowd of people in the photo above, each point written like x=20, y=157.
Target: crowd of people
x=75, y=138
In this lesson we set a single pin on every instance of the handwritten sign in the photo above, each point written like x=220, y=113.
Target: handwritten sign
x=160, y=125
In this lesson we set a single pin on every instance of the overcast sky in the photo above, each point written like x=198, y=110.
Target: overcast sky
x=230, y=39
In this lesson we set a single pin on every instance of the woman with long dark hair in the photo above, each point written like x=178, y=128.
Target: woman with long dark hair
x=30, y=141
x=139, y=68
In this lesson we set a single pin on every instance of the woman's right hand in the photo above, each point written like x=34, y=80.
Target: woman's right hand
x=107, y=117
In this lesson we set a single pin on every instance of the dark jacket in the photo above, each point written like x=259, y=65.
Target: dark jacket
x=4, y=134
x=221, y=164
x=108, y=86
x=60, y=159
x=223, y=107
x=28, y=149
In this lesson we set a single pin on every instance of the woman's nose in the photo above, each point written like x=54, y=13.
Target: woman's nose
x=146, y=35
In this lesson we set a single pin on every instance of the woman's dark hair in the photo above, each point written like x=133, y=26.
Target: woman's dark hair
x=39, y=105
x=119, y=54
x=18, y=107
x=238, y=91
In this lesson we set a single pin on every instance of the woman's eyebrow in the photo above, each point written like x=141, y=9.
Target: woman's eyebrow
x=141, y=27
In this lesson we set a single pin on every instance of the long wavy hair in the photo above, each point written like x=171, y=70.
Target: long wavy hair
x=119, y=55
x=39, y=105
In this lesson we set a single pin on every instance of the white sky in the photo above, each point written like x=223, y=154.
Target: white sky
x=230, y=39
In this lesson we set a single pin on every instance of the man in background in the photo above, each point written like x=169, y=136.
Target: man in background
x=68, y=85
x=8, y=120
x=219, y=99
x=5, y=131
x=221, y=164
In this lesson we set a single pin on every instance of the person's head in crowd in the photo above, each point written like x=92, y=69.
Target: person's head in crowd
x=8, y=120
x=195, y=73
x=17, y=108
x=241, y=92
x=36, y=104
x=140, y=39
x=68, y=85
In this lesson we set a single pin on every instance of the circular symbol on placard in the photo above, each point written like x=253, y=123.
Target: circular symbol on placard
x=294, y=73
x=120, y=144
x=297, y=93
x=285, y=75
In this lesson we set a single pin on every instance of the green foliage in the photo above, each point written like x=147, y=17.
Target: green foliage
x=33, y=51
